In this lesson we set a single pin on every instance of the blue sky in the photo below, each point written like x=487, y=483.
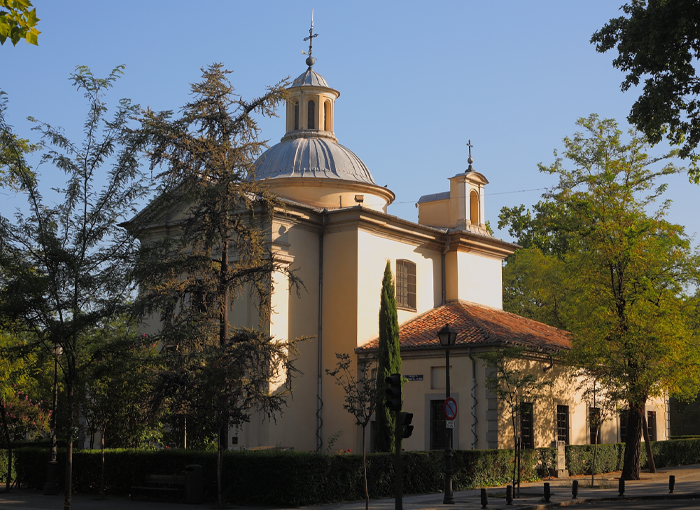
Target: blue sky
x=417, y=79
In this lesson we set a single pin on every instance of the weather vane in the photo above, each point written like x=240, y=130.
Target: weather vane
x=470, y=160
x=310, y=60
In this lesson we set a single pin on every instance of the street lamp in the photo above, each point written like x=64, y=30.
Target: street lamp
x=51, y=488
x=447, y=337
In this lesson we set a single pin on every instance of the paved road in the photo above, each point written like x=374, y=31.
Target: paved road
x=651, y=486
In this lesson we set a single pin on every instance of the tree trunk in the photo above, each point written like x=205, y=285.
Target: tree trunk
x=102, y=445
x=633, y=443
x=364, y=466
x=595, y=454
x=515, y=447
x=219, y=468
x=6, y=429
x=647, y=443
x=68, y=482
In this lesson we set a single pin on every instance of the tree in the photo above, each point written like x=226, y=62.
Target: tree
x=18, y=22
x=515, y=387
x=360, y=398
x=659, y=42
x=66, y=269
x=215, y=250
x=12, y=151
x=626, y=273
x=389, y=361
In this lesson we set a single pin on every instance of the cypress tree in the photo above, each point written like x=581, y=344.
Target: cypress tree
x=389, y=361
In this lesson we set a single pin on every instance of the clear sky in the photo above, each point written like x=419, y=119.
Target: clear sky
x=417, y=79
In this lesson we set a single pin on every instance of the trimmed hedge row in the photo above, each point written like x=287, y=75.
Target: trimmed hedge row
x=290, y=478
x=610, y=457
x=287, y=478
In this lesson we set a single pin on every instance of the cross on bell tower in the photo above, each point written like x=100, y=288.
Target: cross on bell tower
x=470, y=160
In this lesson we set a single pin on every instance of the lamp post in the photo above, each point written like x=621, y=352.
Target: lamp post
x=50, y=488
x=447, y=337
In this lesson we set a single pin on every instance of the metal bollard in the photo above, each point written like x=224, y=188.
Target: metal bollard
x=509, y=495
x=671, y=483
x=547, y=493
x=621, y=487
x=574, y=489
x=484, y=498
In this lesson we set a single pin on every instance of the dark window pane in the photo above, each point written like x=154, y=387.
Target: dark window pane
x=563, y=424
x=594, y=424
x=527, y=433
x=438, y=431
x=651, y=425
x=296, y=115
x=623, y=425
x=312, y=115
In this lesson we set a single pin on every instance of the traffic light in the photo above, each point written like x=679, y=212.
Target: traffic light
x=406, y=428
x=393, y=392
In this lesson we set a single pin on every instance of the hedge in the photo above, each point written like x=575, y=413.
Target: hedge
x=286, y=478
x=291, y=478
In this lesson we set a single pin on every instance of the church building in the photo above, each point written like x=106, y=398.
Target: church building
x=334, y=232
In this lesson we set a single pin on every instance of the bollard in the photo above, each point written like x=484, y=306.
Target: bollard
x=484, y=498
x=547, y=493
x=621, y=487
x=671, y=483
x=574, y=489
x=509, y=495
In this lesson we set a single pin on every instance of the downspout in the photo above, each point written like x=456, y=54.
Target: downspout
x=443, y=273
x=319, y=337
x=475, y=438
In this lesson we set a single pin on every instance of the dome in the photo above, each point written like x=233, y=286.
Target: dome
x=310, y=77
x=311, y=157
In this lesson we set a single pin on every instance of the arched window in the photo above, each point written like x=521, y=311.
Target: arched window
x=312, y=115
x=296, y=115
x=406, y=284
x=474, y=207
x=326, y=113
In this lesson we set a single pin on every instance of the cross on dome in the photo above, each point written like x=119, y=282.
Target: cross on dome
x=310, y=60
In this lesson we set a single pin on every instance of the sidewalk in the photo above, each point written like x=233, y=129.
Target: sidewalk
x=651, y=486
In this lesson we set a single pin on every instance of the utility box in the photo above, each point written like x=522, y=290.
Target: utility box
x=194, y=484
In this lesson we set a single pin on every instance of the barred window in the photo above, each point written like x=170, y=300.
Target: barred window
x=594, y=421
x=563, y=424
x=527, y=432
x=405, y=284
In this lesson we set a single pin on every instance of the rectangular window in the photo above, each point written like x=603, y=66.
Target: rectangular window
x=527, y=432
x=651, y=425
x=438, y=431
x=563, y=424
x=594, y=424
x=406, y=284
x=623, y=425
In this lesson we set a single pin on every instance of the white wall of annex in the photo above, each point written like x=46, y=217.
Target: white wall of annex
x=373, y=253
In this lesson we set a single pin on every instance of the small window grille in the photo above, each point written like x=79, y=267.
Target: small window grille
x=406, y=284
x=594, y=424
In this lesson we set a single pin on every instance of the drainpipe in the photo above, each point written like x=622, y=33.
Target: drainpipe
x=475, y=438
x=443, y=273
x=319, y=337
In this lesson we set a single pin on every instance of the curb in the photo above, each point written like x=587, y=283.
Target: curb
x=579, y=501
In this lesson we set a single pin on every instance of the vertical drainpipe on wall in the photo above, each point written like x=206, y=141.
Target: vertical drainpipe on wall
x=475, y=438
x=443, y=273
x=319, y=337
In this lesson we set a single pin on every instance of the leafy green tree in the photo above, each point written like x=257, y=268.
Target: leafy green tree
x=215, y=250
x=360, y=398
x=12, y=151
x=626, y=273
x=515, y=385
x=658, y=42
x=17, y=22
x=66, y=269
x=389, y=361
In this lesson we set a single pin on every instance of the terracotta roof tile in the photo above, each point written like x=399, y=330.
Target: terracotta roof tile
x=476, y=325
